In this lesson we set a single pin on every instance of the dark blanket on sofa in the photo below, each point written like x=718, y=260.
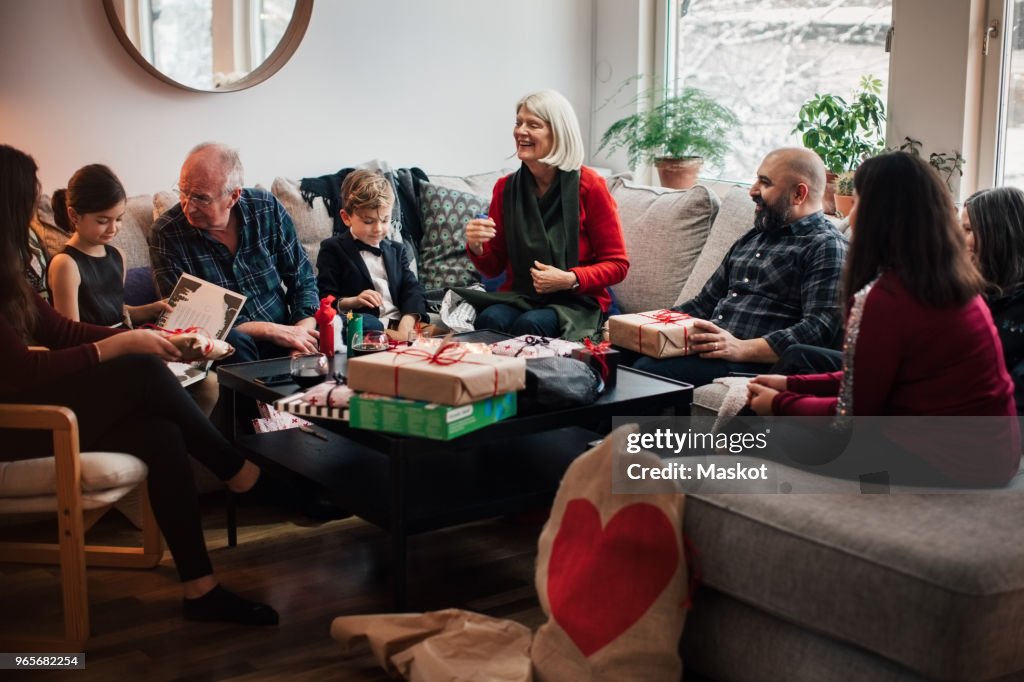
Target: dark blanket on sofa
x=406, y=212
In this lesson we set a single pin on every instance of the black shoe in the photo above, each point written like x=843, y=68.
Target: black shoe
x=322, y=509
x=267, y=490
x=223, y=606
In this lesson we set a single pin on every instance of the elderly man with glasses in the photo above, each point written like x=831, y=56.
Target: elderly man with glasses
x=241, y=239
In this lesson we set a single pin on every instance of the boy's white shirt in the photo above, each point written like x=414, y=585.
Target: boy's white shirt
x=379, y=277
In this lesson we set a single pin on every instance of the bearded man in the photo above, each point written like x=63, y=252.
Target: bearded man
x=778, y=286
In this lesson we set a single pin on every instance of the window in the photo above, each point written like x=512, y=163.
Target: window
x=182, y=43
x=764, y=58
x=1009, y=167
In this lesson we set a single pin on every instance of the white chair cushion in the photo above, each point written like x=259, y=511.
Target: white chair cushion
x=48, y=503
x=101, y=471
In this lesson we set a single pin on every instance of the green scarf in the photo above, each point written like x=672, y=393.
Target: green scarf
x=544, y=229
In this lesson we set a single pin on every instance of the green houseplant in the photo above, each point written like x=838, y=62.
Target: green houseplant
x=945, y=164
x=844, y=193
x=687, y=125
x=844, y=133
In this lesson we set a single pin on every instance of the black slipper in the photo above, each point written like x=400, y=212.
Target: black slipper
x=221, y=605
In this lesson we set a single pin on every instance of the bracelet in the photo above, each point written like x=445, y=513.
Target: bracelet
x=99, y=354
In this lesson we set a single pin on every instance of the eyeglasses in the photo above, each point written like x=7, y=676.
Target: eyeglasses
x=200, y=200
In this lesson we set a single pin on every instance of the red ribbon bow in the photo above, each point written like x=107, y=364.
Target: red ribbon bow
x=666, y=316
x=449, y=353
x=191, y=330
x=597, y=351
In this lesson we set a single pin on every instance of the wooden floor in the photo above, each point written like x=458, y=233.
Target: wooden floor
x=309, y=573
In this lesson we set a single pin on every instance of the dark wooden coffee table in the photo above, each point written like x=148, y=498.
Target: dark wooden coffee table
x=410, y=485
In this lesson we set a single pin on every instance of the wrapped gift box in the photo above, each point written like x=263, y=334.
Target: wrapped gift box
x=529, y=346
x=427, y=420
x=658, y=333
x=602, y=359
x=450, y=376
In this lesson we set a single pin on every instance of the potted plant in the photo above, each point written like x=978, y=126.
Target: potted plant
x=945, y=164
x=676, y=135
x=843, y=134
x=844, y=193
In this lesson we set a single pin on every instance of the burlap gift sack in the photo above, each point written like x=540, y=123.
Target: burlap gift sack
x=611, y=576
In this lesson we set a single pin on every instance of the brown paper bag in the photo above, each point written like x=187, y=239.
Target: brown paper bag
x=611, y=576
x=441, y=646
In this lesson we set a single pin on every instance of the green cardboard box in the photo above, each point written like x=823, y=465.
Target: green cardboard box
x=427, y=420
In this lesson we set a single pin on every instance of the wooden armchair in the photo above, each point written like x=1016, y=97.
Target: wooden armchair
x=80, y=488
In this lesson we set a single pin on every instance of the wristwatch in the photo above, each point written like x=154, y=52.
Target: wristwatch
x=576, y=285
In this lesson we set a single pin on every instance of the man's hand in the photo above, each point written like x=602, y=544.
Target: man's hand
x=715, y=343
x=368, y=298
x=760, y=398
x=297, y=338
x=547, y=279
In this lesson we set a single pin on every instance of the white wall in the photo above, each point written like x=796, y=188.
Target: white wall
x=431, y=83
x=930, y=77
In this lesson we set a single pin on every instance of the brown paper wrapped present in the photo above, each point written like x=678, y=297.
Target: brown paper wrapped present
x=657, y=333
x=449, y=376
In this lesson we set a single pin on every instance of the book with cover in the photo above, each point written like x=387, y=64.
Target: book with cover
x=197, y=303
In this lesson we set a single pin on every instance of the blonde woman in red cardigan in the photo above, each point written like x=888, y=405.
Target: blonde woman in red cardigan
x=553, y=229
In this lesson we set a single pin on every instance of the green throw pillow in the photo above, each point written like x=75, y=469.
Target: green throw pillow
x=443, y=259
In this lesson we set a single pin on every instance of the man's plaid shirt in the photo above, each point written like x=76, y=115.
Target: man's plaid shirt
x=271, y=267
x=782, y=286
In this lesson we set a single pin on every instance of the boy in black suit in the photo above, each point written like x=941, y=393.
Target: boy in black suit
x=368, y=274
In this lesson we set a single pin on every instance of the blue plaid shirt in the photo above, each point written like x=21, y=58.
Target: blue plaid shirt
x=271, y=268
x=782, y=286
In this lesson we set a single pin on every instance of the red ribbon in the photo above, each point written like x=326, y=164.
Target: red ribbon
x=449, y=353
x=191, y=330
x=597, y=351
x=669, y=317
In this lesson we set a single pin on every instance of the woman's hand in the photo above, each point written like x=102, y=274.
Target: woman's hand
x=149, y=312
x=547, y=279
x=479, y=231
x=137, y=341
x=760, y=398
x=779, y=382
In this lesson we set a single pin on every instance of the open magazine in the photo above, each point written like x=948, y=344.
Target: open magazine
x=211, y=308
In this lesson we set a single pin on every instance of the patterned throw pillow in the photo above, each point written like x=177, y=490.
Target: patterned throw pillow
x=443, y=259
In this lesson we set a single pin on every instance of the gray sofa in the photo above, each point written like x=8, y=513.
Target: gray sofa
x=826, y=586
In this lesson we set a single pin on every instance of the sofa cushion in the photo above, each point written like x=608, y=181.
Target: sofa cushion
x=932, y=581
x=443, y=259
x=53, y=237
x=133, y=237
x=313, y=223
x=735, y=218
x=665, y=230
x=481, y=184
x=138, y=286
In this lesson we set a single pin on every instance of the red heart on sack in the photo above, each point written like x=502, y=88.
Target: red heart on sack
x=601, y=581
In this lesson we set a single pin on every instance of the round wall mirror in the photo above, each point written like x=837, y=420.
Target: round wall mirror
x=210, y=45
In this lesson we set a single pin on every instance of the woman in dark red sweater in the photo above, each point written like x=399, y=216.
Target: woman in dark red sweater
x=919, y=338
x=125, y=399
x=553, y=230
